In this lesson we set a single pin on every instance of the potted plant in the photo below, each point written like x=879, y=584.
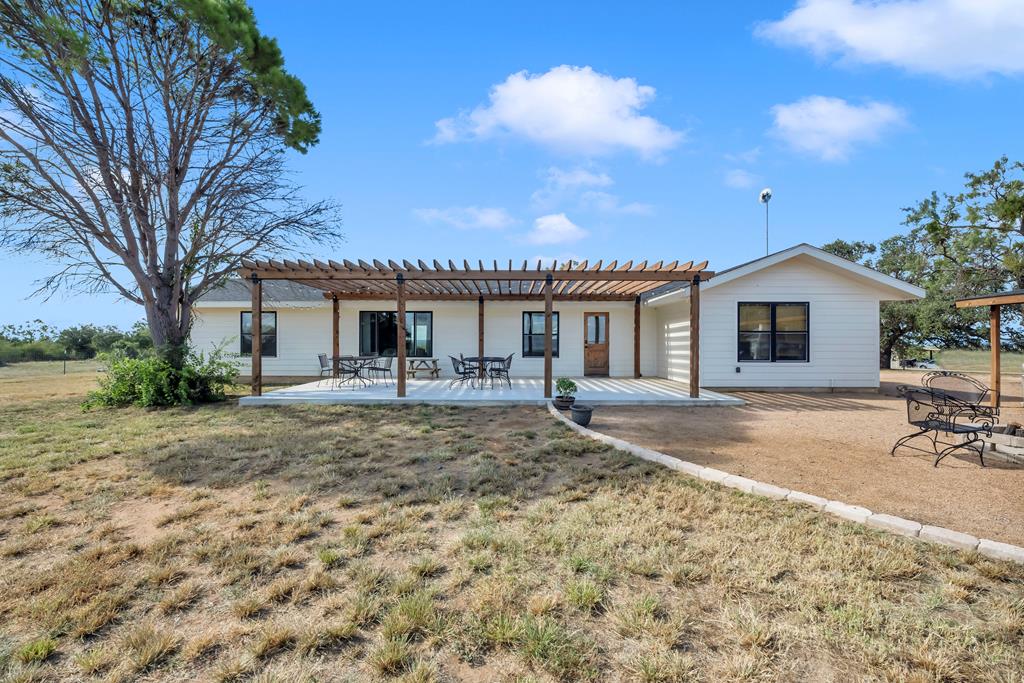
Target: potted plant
x=566, y=389
x=581, y=414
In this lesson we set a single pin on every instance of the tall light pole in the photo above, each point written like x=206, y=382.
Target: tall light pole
x=766, y=196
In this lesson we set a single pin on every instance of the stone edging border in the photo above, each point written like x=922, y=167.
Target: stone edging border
x=853, y=513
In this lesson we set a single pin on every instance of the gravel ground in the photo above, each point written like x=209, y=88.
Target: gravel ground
x=837, y=446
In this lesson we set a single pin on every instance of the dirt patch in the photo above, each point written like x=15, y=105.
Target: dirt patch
x=836, y=446
x=140, y=519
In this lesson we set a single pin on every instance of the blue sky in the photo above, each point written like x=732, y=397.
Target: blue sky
x=628, y=130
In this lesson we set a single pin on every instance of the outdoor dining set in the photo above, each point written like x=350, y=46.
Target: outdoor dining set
x=361, y=371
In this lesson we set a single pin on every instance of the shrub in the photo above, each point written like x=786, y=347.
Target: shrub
x=153, y=382
x=565, y=386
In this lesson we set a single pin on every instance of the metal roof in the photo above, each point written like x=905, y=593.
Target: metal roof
x=235, y=289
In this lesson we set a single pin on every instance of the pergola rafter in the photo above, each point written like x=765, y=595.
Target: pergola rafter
x=405, y=281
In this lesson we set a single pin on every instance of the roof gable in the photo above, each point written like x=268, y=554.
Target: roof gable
x=897, y=290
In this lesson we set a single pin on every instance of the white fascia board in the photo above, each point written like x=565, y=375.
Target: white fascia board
x=899, y=289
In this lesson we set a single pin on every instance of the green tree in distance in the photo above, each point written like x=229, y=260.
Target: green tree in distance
x=959, y=245
x=905, y=325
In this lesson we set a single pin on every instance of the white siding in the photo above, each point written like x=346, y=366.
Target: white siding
x=843, y=328
x=301, y=334
x=305, y=332
x=673, y=340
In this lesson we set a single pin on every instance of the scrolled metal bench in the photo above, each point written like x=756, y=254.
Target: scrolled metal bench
x=949, y=411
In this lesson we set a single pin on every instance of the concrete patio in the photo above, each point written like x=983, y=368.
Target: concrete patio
x=528, y=391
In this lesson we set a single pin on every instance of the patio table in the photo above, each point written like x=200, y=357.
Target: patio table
x=420, y=364
x=476, y=361
x=356, y=365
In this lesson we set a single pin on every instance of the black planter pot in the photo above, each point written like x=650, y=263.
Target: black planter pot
x=581, y=414
x=564, y=402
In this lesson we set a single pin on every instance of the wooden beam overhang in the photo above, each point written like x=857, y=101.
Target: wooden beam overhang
x=997, y=299
x=994, y=302
x=570, y=281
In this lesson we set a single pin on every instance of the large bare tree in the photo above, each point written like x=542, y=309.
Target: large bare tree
x=143, y=145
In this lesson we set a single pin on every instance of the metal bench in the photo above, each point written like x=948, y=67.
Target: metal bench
x=948, y=403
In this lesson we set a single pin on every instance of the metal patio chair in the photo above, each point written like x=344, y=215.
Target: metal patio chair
x=463, y=372
x=325, y=368
x=500, y=371
x=935, y=411
x=382, y=367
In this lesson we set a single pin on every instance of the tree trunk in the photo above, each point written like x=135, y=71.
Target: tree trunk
x=168, y=325
x=885, y=357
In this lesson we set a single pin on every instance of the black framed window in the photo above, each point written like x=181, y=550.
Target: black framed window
x=773, y=332
x=533, y=334
x=268, y=334
x=378, y=333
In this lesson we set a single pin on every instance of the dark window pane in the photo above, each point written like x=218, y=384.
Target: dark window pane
x=755, y=346
x=791, y=346
x=269, y=334
x=378, y=333
x=755, y=317
x=269, y=344
x=367, y=332
x=533, y=334
x=790, y=318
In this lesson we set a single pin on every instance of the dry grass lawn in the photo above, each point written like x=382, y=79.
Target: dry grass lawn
x=438, y=544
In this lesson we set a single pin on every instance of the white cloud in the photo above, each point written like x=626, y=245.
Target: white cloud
x=555, y=228
x=576, y=177
x=569, y=108
x=576, y=186
x=560, y=185
x=741, y=179
x=829, y=127
x=468, y=217
x=950, y=38
x=749, y=156
x=609, y=203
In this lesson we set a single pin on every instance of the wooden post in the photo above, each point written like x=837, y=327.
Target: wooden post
x=335, y=333
x=400, y=285
x=636, y=337
x=256, y=316
x=547, y=335
x=695, y=337
x=480, y=341
x=993, y=337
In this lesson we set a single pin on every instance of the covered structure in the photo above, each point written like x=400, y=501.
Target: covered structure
x=995, y=301
x=401, y=283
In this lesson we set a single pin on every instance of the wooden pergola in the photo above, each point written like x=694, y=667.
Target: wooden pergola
x=994, y=302
x=391, y=281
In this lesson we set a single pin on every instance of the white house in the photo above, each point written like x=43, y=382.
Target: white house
x=799, y=318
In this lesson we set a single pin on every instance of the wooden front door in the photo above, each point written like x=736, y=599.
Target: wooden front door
x=595, y=344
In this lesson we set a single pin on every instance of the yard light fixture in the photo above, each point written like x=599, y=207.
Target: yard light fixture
x=765, y=197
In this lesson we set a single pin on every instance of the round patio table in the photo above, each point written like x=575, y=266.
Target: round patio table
x=477, y=361
x=355, y=366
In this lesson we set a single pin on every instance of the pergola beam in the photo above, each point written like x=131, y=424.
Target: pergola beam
x=400, y=343
x=385, y=275
x=256, y=327
x=375, y=296
x=548, y=298
x=695, y=338
x=995, y=301
x=994, y=343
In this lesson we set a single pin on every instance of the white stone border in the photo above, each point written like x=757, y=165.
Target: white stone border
x=853, y=513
